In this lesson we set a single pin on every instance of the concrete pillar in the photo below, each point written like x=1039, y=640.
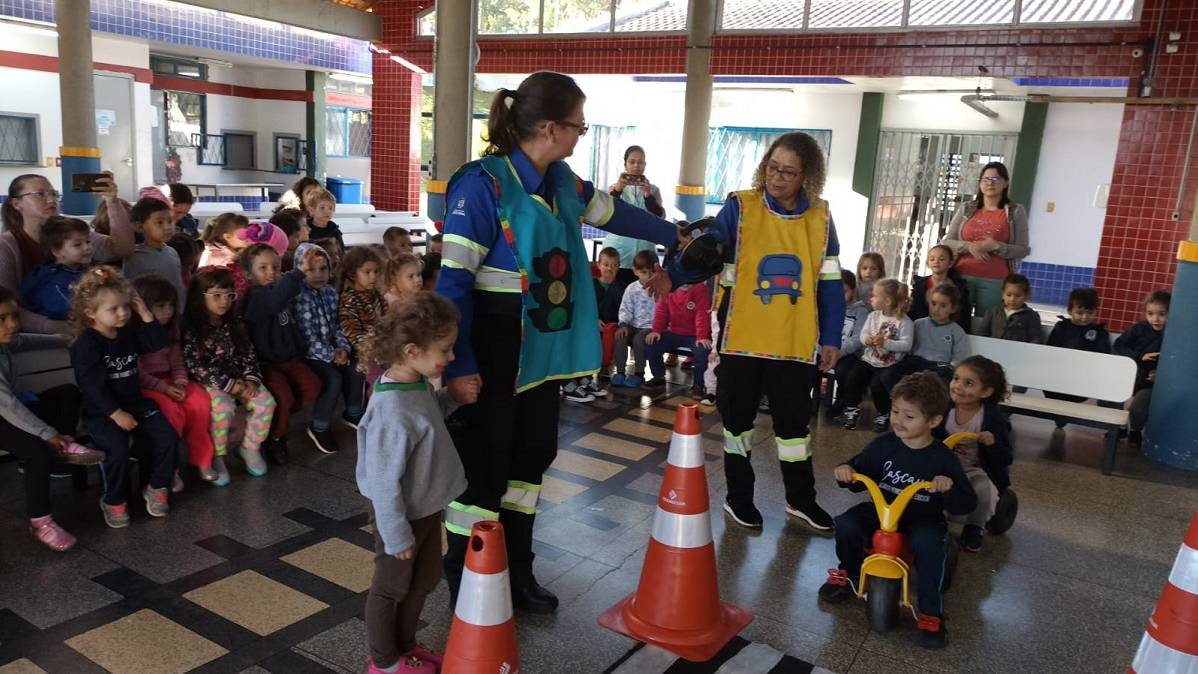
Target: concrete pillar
x=78, y=100
x=454, y=72
x=700, y=22
x=317, y=108
x=1172, y=433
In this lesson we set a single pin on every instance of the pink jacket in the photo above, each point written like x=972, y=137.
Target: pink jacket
x=685, y=312
x=162, y=368
x=107, y=249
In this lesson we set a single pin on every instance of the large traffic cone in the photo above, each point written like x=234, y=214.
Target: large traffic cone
x=482, y=639
x=1170, y=643
x=677, y=605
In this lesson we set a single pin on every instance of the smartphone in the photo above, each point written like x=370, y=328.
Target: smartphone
x=86, y=182
x=633, y=179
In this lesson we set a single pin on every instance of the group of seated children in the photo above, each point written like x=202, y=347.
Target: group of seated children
x=889, y=334
x=261, y=318
x=630, y=319
x=966, y=480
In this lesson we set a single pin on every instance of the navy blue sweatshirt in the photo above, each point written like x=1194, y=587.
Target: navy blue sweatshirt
x=894, y=466
x=273, y=328
x=1069, y=335
x=997, y=457
x=1140, y=339
x=919, y=300
x=609, y=297
x=106, y=369
x=329, y=231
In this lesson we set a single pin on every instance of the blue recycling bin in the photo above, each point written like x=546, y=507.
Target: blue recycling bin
x=345, y=190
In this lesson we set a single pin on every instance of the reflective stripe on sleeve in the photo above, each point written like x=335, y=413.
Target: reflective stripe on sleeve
x=462, y=253
x=600, y=209
x=829, y=270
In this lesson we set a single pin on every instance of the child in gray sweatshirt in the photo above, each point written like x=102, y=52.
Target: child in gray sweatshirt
x=410, y=471
x=940, y=342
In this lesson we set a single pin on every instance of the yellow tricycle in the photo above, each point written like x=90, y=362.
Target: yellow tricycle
x=885, y=572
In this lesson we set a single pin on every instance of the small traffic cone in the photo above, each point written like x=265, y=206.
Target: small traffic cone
x=482, y=639
x=677, y=605
x=1170, y=643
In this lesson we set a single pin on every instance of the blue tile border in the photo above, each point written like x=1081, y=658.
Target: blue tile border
x=1120, y=82
x=188, y=26
x=1051, y=283
x=746, y=79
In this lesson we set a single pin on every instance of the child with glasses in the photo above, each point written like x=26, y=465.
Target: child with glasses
x=221, y=358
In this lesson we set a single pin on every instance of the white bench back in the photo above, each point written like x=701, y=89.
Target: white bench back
x=1050, y=368
x=356, y=209
x=202, y=210
x=41, y=370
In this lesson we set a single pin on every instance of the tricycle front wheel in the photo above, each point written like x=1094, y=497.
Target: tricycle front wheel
x=882, y=603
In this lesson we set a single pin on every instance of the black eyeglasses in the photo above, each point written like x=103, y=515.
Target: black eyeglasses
x=582, y=128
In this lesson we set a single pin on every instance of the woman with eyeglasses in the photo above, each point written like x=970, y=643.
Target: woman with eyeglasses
x=781, y=310
x=989, y=236
x=31, y=201
x=515, y=265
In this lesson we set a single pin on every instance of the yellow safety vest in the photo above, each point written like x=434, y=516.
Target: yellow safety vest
x=772, y=312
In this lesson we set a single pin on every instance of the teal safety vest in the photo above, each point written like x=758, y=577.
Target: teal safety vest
x=560, y=315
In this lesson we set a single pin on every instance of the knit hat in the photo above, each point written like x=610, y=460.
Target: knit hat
x=301, y=252
x=264, y=232
x=153, y=192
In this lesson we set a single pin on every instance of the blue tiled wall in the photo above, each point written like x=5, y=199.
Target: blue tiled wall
x=184, y=25
x=1119, y=82
x=1051, y=283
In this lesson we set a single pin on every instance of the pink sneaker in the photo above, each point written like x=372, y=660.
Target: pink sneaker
x=79, y=455
x=407, y=665
x=424, y=653
x=46, y=530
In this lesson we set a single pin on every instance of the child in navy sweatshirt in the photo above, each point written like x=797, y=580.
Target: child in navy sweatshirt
x=904, y=456
x=1142, y=342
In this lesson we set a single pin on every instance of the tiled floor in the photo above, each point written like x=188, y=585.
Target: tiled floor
x=268, y=575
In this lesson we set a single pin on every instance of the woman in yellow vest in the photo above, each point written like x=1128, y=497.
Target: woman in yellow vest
x=781, y=308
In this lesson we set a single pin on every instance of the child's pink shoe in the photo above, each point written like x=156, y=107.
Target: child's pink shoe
x=424, y=653
x=46, y=530
x=76, y=454
x=407, y=665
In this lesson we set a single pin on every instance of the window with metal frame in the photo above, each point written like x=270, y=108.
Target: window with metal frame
x=557, y=17
x=185, y=115
x=18, y=139
x=176, y=67
x=210, y=149
x=347, y=132
x=735, y=152
x=817, y=15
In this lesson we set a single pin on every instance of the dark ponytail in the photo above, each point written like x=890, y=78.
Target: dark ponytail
x=516, y=115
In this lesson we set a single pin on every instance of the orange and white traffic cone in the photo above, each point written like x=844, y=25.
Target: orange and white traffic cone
x=1170, y=643
x=677, y=605
x=482, y=639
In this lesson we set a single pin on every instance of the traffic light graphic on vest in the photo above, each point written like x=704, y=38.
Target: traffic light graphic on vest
x=554, y=309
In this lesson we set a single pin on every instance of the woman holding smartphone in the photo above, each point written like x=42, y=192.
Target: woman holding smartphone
x=31, y=201
x=633, y=188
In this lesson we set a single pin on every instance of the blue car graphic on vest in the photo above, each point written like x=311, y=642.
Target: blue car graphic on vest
x=779, y=275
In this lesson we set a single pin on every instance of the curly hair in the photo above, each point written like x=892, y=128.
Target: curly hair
x=811, y=162
x=396, y=265
x=355, y=259
x=990, y=374
x=926, y=390
x=421, y=320
x=85, y=293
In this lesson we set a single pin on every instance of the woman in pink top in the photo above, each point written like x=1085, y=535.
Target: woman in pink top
x=31, y=201
x=989, y=237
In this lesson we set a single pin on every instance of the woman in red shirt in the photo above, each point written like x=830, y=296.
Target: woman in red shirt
x=989, y=237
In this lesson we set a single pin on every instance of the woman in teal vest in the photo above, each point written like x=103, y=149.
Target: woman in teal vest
x=515, y=265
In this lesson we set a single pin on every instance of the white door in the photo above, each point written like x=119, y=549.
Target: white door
x=114, y=129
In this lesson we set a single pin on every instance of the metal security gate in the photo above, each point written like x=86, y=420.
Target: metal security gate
x=920, y=180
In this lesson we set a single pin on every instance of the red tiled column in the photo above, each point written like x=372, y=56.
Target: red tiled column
x=1138, y=253
x=395, y=144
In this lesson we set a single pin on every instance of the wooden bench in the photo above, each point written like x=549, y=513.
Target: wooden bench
x=1069, y=371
